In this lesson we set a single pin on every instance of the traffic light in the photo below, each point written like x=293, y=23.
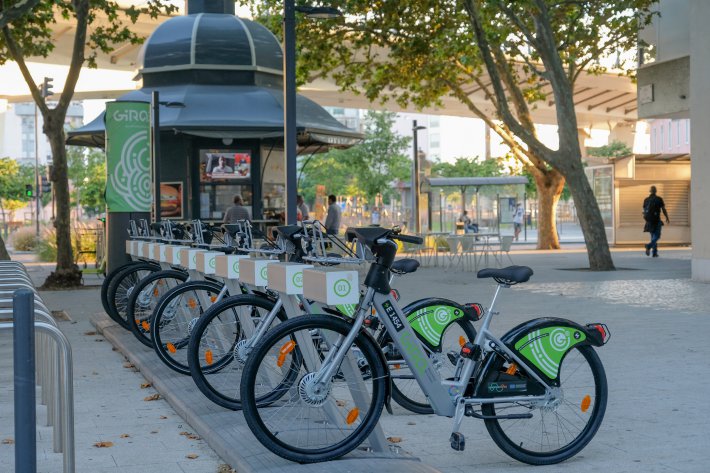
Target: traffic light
x=46, y=89
x=28, y=190
x=46, y=185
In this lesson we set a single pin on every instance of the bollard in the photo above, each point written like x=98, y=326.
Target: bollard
x=24, y=377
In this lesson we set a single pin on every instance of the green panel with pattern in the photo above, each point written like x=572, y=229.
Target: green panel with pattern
x=545, y=347
x=430, y=321
x=347, y=309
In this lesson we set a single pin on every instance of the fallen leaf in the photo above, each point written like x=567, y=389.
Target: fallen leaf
x=411, y=423
x=152, y=397
x=163, y=417
x=394, y=439
x=225, y=469
x=124, y=436
x=192, y=456
x=193, y=437
x=128, y=364
x=90, y=333
x=146, y=385
x=153, y=431
x=8, y=441
x=184, y=433
x=340, y=403
x=103, y=444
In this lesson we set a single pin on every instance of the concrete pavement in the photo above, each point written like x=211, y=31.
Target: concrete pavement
x=656, y=365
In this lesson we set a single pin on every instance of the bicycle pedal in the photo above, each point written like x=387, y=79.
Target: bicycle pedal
x=458, y=441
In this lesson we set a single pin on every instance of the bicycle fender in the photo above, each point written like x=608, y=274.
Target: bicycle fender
x=544, y=342
x=366, y=333
x=430, y=317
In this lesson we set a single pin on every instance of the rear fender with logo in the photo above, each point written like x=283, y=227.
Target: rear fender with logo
x=543, y=344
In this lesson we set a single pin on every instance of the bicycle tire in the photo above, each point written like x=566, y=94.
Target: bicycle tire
x=405, y=387
x=120, y=288
x=169, y=345
x=141, y=304
x=278, y=442
x=222, y=387
x=107, y=280
x=519, y=450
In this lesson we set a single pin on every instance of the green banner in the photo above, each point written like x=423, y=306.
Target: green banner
x=128, y=183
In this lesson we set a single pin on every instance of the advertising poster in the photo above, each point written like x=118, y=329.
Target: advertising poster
x=128, y=180
x=171, y=200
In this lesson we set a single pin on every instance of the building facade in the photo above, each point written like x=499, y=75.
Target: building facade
x=673, y=84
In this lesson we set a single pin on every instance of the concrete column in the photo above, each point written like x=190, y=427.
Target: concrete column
x=700, y=138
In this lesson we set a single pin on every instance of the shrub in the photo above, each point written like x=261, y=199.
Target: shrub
x=47, y=245
x=24, y=239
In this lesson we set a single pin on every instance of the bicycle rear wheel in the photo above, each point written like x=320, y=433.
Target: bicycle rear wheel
x=107, y=280
x=304, y=420
x=217, y=346
x=562, y=427
x=144, y=298
x=174, y=318
x=121, y=287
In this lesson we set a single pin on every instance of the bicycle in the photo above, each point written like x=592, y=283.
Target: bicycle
x=441, y=324
x=540, y=388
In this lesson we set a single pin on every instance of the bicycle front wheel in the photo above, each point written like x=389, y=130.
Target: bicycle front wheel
x=144, y=298
x=560, y=428
x=219, y=345
x=310, y=419
x=174, y=318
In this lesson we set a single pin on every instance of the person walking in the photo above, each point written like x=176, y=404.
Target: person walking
x=518, y=220
x=332, y=220
x=237, y=211
x=302, y=207
x=653, y=205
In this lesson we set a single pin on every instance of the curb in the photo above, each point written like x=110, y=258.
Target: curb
x=226, y=431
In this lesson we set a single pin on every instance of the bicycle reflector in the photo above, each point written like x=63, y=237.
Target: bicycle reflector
x=474, y=310
x=603, y=331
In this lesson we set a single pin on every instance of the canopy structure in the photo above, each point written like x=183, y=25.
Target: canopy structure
x=230, y=111
x=464, y=182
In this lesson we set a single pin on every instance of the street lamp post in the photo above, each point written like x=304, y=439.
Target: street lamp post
x=415, y=178
x=290, y=96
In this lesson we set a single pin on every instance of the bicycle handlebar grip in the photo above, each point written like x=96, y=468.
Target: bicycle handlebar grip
x=409, y=239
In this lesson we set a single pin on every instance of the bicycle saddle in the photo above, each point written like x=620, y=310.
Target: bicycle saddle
x=404, y=266
x=289, y=232
x=511, y=274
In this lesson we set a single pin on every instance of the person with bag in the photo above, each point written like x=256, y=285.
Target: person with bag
x=653, y=205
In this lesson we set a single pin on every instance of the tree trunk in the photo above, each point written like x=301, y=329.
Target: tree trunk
x=549, y=189
x=590, y=218
x=67, y=273
x=4, y=256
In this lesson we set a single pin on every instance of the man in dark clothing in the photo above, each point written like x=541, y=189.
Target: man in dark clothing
x=653, y=205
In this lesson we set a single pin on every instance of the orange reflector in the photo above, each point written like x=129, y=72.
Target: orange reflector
x=281, y=360
x=462, y=341
x=213, y=298
x=352, y=415
x=511, y=369
x=161, y=282
x=146, y=326
x=208, y=357
x=156, y=292
x=288, y=347
x=171, y=348
x=396, y=367
x=586, y=402
x=191, y=303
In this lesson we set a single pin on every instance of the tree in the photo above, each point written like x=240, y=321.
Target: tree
x=13, y=178
x=87, y=171
x=416, y=51
x=13, y=11
x=367, y=169
x=615, y=149
x=30, y=35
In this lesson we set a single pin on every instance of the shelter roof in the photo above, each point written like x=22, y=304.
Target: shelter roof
x=476, y=181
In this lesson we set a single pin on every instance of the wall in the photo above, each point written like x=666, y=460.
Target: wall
x=671, y=91
x=677, y=142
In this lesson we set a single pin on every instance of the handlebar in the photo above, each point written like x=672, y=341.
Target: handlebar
x=407, y=238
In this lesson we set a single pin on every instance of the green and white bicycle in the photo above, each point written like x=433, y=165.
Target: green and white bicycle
x=540, y=388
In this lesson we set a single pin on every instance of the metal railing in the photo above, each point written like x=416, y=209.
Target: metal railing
x=43, y=357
